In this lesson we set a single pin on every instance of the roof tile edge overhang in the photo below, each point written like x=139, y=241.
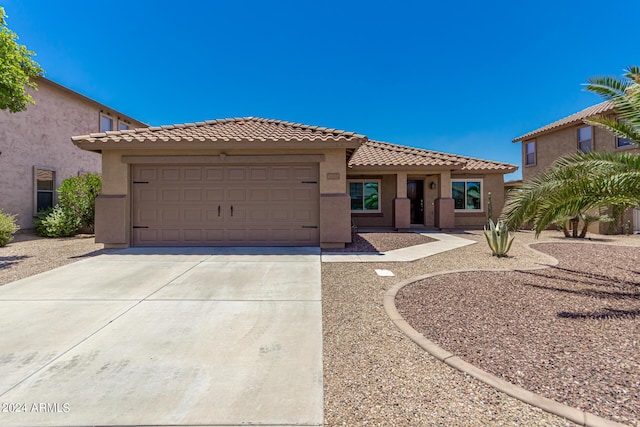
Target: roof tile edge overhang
x=98, y=143
x=601, y=109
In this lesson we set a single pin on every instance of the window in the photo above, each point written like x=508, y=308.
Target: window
x=106, y=123
x=365, y=195
x=530, y=153
x=467, y=195
x=623, y=142
x=44, y=180
x=123, y=126
x=584, y=139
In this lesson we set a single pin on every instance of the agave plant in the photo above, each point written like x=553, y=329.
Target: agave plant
x=498, y=238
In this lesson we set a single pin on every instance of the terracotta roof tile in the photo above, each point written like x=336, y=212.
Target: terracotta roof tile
x=375, y=153
x=594, y=110
x=235, y=129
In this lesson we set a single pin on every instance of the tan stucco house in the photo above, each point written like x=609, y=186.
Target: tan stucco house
x=542, y=146
x=252, y=181
x=35, y=152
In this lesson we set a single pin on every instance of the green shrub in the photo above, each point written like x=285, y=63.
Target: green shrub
x=8, y=228
x=78, y=194
x=56, y=222
x=498, y=239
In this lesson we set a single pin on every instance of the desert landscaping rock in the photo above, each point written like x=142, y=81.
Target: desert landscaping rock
x=569, y=333
x=383, y=242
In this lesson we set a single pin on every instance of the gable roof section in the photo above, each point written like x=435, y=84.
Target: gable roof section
x=598, y=109
x=375, y=154
x=234, y=129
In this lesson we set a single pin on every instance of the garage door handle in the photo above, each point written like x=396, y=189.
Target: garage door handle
x=218, y=210
x=231, y=210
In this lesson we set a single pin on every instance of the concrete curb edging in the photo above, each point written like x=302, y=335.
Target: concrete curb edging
x=575, y=415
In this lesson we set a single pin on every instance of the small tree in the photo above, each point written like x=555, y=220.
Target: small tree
x=17, y=68
x=77, y=195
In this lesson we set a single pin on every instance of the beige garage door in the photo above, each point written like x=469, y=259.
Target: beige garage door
x=225, y=205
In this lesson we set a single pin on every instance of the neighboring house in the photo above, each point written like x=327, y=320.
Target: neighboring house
x=541, y=147
x=251, y=181
x=35, y=151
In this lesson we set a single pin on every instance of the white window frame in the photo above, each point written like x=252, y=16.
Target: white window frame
x=106, y=116
x=466, y=180
x=363, y=182
x=123, y=123
x=54, y=198
x=584, y=140
x=526, y=153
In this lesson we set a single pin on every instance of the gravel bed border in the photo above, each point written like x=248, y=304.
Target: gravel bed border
x=571, y=413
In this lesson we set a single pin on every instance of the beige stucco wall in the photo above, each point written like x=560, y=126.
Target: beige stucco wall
x=41, y=136
x=565, y=141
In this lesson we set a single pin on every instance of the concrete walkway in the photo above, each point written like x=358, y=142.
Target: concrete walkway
x=445, y=242
x=188, y=336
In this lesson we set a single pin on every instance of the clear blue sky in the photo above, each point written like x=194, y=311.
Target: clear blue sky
x=463, y=77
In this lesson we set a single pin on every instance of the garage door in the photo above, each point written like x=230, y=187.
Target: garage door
x=231, y=205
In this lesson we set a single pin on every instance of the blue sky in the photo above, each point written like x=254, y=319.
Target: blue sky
x=463, y=77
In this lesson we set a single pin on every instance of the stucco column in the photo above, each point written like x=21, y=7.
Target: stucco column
x=335, y=203
x=112, y=218
x=444, y=205
x=401, y=204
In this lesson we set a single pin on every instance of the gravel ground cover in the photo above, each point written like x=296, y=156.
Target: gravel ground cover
x=570, y=332
x=29, y=254
x=375, y=375
x=383, y=242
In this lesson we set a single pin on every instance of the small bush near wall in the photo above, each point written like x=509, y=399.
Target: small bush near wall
x=57, y=222
x=77, y=195
x=8, y=228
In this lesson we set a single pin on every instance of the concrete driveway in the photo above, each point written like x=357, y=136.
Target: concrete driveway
x=165, y=336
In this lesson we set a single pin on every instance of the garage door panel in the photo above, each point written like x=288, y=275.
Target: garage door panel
x=192, y=205
x=213, y=173
x=192, y=174
x=171, y=174
x=192, y=194
x=169, y=195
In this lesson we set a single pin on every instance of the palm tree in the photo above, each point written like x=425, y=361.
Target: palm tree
x=625, y=96
x=579, y=183
x=571, y=187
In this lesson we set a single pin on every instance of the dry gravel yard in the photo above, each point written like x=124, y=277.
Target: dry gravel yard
x=570, y=332
x=383, y=242
x=373, y=374
x=29, y=254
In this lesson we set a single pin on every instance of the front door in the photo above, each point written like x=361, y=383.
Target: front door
x=415, y=193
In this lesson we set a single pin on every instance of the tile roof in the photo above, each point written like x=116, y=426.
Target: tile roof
x=594, y=110
x=375, y=153
x=234, y=129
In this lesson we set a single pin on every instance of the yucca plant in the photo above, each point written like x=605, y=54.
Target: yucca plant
x=498, y=238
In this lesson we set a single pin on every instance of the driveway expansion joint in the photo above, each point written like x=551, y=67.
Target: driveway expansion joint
x=575, y=415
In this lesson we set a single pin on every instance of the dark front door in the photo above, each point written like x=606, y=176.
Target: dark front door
x=415, y=193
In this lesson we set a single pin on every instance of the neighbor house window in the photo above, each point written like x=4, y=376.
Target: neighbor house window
x=585, y=141
x=530, y=153
x=467, y=194
x=44, y=191
x=123, y=126
x=365, y=195
x=106, y=123
x=623, y=142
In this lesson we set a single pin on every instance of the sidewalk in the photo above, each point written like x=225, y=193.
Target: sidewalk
x=445, y=242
